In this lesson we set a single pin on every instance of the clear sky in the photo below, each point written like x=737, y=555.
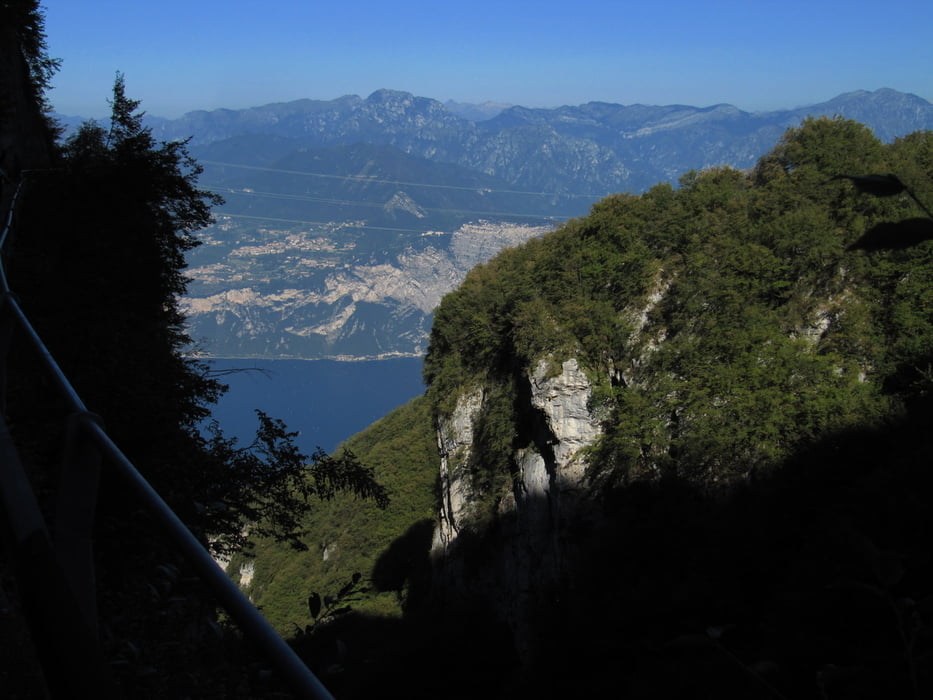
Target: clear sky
x=181, y=55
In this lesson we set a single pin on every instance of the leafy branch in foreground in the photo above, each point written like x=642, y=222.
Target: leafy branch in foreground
x=323, y=610
x=269, y=485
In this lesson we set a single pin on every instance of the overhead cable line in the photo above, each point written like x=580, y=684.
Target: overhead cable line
x=357, y=203
x=339, y=224
x=367, y=178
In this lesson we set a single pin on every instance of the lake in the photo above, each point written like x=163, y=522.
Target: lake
x=325, y=401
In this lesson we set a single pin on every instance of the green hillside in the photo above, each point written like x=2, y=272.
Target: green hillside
x=757, y=519
x=754, y=519
x=346, y=534
x=724, y=324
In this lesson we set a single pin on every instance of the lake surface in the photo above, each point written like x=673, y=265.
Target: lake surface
x=324, y=400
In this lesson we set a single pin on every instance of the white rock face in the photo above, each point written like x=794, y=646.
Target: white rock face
x=525, y=565
x=454, y=442
x=247, y=570
x=564, y=399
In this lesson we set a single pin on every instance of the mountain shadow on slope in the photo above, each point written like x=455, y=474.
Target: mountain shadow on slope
x=815, y=581
x=709, y=562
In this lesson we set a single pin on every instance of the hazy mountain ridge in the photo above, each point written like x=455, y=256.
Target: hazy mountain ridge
x=476, y=112
x=383, y=183
x=592, y=148
x=341, y=251
x=329, y=183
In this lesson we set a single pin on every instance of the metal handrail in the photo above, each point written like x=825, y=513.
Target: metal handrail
x=283, y=658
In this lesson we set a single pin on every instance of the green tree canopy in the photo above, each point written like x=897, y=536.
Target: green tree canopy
x=723, y=323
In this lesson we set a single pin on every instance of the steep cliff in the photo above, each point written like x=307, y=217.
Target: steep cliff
x=524, y=568
x=694, y=341
x=682, y=447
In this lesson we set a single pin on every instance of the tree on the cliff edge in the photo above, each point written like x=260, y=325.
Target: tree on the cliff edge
x=97, y=260
x=27, y=131
x=100, y=261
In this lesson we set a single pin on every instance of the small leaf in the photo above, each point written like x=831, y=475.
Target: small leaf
x=691, y=640
x=168, y=571
x=888, y=568
x=314, y=605
x=214, y=628
x=857, y=585
x=831, y=675
x=925, y=605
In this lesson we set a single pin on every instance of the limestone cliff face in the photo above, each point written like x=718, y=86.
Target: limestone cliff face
x=454, y=441
x=523, y=567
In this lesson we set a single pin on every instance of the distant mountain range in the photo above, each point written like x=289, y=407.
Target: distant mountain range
x=595, y=148
x=346, y=220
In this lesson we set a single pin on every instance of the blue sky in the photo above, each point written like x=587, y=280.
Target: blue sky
x=178, y=56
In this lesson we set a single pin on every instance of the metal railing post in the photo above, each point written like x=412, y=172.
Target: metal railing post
x=58, y=586
x=74, y=514
x=69, y=653
x=7, y=323
x=284, y=659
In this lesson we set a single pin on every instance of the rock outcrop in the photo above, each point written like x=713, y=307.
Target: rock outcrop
x=523, y=564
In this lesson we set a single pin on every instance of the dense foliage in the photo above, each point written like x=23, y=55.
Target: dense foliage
x=98, y=260
x=347, y=535
x=27, y=23
x=723, y=323
x=759, y=346
x=126, y=212
x=759, y=349
x=25, y=76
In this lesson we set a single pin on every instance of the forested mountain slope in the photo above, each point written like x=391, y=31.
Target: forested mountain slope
x=345, y=535
x=684, y=440
x=738, y=338
x=745, y=300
